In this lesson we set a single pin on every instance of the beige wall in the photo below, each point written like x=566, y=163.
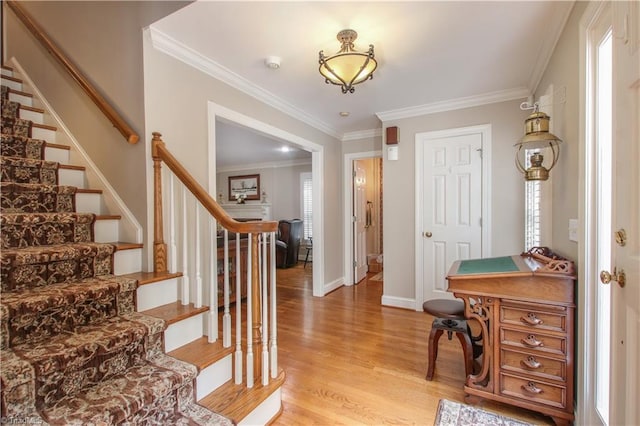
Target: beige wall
x=507, y=189
x=104, y=39
x=176, y=99
x=563, y=73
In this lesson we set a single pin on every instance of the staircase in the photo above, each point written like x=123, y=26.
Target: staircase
x=74, y=348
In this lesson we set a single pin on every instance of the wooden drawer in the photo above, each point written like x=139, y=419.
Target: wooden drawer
x=533, y=390
x=534, y=315
x=533, y=364
x=534, y=340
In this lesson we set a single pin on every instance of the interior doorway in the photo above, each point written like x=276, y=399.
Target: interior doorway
x=219, y=113
x=363, y=215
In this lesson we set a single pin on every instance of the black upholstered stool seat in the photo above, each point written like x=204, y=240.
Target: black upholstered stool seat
x=449, y=317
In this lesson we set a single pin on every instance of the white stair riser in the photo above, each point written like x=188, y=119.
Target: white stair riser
x=12, y=84
x=183, y=332
x=156, y=294
x=6, y=72
x=36, y=117
x=21, y=99
x=44, y=134
x=214, y=376
x=106, y=230
x=90, y=203
x=72, y=178
x=56, y=154
x=265, y=412
x=127, y=261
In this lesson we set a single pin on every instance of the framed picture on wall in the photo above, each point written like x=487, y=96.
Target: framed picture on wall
x=245, y=186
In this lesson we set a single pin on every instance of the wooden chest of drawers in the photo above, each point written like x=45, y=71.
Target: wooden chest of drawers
x=525, y=307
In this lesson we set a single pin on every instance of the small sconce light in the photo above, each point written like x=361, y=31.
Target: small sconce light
x=537, y=137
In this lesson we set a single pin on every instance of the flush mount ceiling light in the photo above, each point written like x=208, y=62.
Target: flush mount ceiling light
x=348, y=67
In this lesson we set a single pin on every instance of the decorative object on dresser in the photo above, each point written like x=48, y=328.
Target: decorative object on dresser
x=246, y=187
x=525, y=307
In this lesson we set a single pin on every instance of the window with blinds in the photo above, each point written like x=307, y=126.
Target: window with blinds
x=537, y=199
x=306, y=184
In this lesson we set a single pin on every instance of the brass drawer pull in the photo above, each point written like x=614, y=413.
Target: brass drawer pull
x=531, y=319
x=532, y=388
x=532, y=342
x=530, y=363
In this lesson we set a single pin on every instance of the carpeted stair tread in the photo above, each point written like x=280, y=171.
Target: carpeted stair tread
x=146, y=394
x=27, y=170
x=21, y=230
x=16, y=126
x=43, y=312
x=22, y=147
x=39, y=266
x=36, y=198
x=71, y=361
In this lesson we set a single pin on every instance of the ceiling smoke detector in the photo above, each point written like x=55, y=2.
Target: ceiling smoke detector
x=272, y=62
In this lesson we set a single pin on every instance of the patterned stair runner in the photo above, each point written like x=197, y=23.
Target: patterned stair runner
x=73, y=349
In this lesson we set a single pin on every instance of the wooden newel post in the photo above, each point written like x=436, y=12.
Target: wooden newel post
x=256, y=310
x=159, y=246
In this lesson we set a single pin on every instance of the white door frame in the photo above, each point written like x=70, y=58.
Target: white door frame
x=347, y=192
x=216, y=111
x=485, y=131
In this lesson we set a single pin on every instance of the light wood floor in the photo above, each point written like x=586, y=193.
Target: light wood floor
x=350, y=361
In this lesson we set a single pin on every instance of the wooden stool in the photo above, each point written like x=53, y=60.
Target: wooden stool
x=449, y=317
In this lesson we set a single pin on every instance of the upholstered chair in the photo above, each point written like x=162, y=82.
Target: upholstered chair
x=288, y=242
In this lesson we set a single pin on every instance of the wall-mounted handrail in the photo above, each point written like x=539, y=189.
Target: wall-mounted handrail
x=116, y=119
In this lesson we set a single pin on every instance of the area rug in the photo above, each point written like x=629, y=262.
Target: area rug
x=456, y=414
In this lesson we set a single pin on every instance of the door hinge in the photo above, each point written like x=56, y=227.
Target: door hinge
x=479, y=151
x=355, y=263
x=354, y=219
x=354, y=173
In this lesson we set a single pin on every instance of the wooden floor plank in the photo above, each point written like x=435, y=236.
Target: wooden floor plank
x=350, y=361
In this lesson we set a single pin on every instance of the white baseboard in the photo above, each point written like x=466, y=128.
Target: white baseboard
x=399, y=302
x=333, y=285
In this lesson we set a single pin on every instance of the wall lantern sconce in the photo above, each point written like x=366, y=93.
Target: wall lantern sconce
x=536, y=138
x=348, y=67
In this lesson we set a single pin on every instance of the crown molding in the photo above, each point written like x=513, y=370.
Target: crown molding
x=361, y=134
x=454, y=104
x=267, y=165
x=172, y=47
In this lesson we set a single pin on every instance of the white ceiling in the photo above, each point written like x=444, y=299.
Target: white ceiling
x=431, y=55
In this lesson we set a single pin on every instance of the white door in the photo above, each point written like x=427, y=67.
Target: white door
x=625, y=301
x=451, y=207
x=613, y=375
x=359, y=223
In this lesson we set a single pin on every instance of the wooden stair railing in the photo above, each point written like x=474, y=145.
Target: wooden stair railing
x=107, y=109
x=260, y=269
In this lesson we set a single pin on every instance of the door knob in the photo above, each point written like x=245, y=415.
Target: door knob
x=428, y=234
x=619, y=276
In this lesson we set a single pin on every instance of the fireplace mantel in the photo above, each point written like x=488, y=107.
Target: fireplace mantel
x=248, y=211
